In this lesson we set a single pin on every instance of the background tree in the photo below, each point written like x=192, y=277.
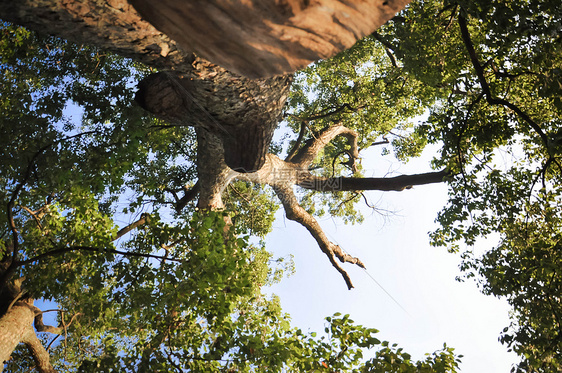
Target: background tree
x=496, y=68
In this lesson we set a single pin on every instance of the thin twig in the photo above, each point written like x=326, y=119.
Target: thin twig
x=64, y=250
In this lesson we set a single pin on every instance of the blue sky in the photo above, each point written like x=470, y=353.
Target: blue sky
x=396, y=252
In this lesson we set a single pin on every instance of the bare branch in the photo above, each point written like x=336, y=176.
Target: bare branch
x=312, y=147
x=296, y=213
x=383, y=142
x=145, y=218
x=350, y=163
x=189, y=195
x=34, y=216
x=40, y=326
x=397, y=183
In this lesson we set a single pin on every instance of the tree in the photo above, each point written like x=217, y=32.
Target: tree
x=497, y=67
x=175, y=289
x=486, y=73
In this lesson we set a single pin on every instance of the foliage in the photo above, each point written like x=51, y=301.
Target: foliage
x=363, y=90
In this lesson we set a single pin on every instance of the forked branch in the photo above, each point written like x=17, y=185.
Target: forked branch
x=296, y=213
x=40, y=326
x=465, y=33
x=312, y=147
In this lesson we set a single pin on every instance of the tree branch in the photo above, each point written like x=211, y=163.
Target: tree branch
x=297, y=144
x=145, y=218
x=388, y=48
x=189, y=195
x=21, y=184
x=64, y=250
x=397, y=183
x=296, y=213
x=486, y=88
x=38, y=352
x=40, y=326
x=312, y=147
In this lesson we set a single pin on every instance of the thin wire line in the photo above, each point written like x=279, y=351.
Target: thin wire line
x=387, y=293
x=372, y=278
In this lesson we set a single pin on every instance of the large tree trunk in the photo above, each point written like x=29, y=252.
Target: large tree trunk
x=111, y=25
x=242, y=113
x=258, y=38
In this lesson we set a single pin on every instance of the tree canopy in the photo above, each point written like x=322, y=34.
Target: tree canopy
x=172, y=289
x=101, y=213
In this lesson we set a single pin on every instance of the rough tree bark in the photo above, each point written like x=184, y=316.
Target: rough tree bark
x=243, y=113
x=259, y=38
x=16, y=326
x=19, y=316
x=13, y=327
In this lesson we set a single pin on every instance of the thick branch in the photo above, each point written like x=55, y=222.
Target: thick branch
x=312, y=147
x=296, y=213
x=259, y=38
x=40, y=355
x=397, y=183
x=15, y=327
x=40, y=326
x=189, y=195
x=123, y=231
x=14, y=324
x=212, y=171
x=109, y=25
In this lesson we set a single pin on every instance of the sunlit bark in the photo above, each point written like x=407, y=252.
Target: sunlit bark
x=16, y=326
